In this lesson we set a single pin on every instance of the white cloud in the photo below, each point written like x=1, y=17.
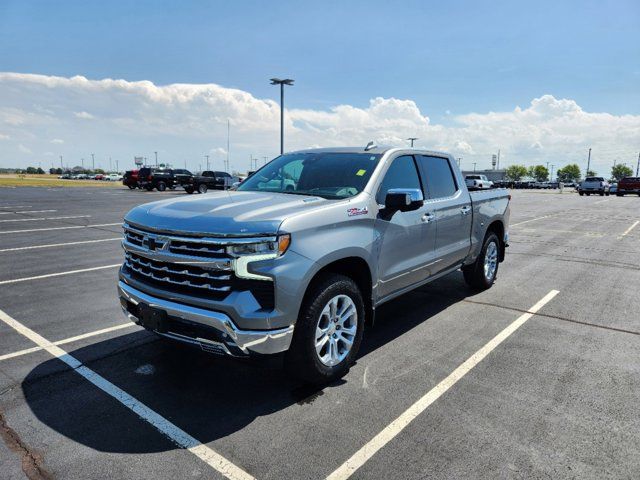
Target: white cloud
x=57, y=141
x=84, y=115
x=186, y=121
x=23, y=149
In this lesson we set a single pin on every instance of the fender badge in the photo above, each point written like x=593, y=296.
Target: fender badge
x=352, y=212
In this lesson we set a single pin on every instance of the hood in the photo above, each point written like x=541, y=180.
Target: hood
x=227, y=213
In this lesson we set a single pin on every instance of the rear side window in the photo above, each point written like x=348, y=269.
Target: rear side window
x=401, y=174
x=438, y=176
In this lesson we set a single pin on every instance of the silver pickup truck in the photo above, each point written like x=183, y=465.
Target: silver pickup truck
x=297, y=260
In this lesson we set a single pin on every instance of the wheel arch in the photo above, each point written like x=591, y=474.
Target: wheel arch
x=497, y=227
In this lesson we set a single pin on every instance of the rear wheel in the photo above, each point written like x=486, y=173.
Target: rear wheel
x=483, y=272
x=149, y=188
x=161, y=186
x=202, y=188
x=328, y=332
x=581, y=193
x=189, y=190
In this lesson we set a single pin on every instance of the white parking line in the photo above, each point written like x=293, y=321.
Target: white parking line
x=534, y=219
x=394, y=428
x=44, y=218
x=61, y=228
x=628, y=230
x=51, y=245
x=164, y=426
x=59, y=274
x=28, y=211
x=68, y=340
x=601, y=201
x=17, y=206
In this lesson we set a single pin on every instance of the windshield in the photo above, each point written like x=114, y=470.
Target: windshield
x=329, y=175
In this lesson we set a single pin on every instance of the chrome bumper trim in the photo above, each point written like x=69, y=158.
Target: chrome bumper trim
x=258, y=341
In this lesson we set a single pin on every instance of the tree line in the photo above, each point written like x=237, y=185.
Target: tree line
x=568, y=173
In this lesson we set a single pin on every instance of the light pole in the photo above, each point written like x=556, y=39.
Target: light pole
x=93, y=162
x=282, y=83
x=156, y=158
x=474, y=166
x=265, y=160
x=412, y=139
x=638, y=165
x=207, y=157
x=588, y=163
x=61, y=166
x=551, y=179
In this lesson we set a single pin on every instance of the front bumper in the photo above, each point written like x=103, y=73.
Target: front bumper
x=212, y=331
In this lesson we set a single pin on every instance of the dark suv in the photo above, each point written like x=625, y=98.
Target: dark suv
x=162, y=178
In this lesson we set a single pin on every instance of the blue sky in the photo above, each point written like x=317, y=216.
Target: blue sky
x=455, y=56
x=542, y=81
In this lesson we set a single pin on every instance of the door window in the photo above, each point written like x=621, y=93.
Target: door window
x=401, y=174
x=438, y=176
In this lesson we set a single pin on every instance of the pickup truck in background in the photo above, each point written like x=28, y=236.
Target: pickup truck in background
x=594, y=185
x=208, y=180
x=130, y=179
x=162, y=178
x=478, y=182
x=299, y=271
x=628, y=185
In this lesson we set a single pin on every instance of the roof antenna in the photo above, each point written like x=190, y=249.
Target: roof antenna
x=370, y=146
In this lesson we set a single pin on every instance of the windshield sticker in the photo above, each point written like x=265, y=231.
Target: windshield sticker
x=355, y=211
x=361, y=172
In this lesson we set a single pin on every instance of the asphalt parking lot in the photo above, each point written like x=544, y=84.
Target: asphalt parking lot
x=83, y=393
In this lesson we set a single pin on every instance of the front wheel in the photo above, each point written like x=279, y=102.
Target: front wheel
x=161, y=186
x=481, y=274
x=189, y=190
x=328, y=332
x=202, y=188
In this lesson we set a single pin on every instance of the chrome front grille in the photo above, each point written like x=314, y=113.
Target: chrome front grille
x=189, y=266
x=182, y=275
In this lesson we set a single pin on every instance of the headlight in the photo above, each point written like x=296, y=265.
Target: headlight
x=254, y=252
x=261, y=248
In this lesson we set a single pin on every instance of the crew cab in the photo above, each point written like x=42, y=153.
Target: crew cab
x=594, y=185
x=478, y=182
x=299, y=271
x=207, y=180
x=628, y=185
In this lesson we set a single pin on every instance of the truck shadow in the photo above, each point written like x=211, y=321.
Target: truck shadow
x=207, y=396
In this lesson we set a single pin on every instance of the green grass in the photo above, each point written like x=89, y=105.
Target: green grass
x=9, y=180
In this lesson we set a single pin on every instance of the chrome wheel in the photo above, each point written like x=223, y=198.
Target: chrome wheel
x=336, y=330
x=490, y=261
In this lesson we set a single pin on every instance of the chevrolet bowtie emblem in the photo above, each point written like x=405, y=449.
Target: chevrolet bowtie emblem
x=153, y=243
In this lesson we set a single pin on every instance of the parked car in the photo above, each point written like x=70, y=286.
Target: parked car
x=162, y=178
x=130, y=179
x=256, y=271
x=594, y=185
x=628, y=185
x=207, y=180
x=613, y=188
x=113, y=177
x=477, y=182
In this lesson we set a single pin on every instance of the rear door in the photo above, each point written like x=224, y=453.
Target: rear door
x=452, y=208
x=406, y=239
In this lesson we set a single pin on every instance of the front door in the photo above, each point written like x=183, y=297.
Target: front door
x=406, y=240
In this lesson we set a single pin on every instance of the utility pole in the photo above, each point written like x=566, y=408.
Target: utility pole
x=498, y=159
x=117, y=169
x=207, y=157
x=638, y=166
x=156, y=158
x=412, y=139
x=265, y=160
x=551, y=179
x=227, y=161
x=93, y=162
x=474, y=166
x=588, y=163
x=82, y=163
x=282, y=83
x=110, y=164
x=61, y=166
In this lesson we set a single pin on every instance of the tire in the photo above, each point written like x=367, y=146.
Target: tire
x=149, y=188
x=602, y=194
x=581, y=193
x=161, y=186
x=302, y=360
x=131, y=187
x=607, y=194
x=202, y=188
x=588, y=194
x=481, y=275
x=189, y=190
x=619, y=194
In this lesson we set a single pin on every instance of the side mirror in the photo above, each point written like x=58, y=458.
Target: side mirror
x=403, y=199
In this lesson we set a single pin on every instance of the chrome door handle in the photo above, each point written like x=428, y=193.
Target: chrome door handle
x=428, y=217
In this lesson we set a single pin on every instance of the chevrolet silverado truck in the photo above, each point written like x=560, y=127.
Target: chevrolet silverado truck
x=594, y=185
x=299, y=271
